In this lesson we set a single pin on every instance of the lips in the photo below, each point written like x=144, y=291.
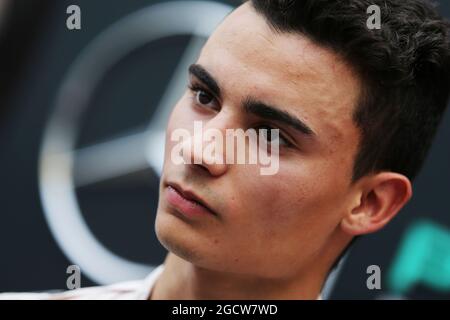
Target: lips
x=186, y=201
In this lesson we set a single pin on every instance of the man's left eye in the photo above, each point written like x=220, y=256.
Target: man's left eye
x=270, y=137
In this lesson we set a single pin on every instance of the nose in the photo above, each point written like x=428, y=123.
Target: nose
x=206, y=150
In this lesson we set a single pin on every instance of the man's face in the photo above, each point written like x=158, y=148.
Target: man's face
x=265, y=225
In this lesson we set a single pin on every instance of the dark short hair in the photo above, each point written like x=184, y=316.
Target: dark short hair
x=403, y=67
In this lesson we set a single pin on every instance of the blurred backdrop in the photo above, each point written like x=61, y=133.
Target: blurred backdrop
x=81, y=137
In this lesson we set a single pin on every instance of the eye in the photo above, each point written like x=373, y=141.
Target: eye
x=203, y=97
x=266, y=132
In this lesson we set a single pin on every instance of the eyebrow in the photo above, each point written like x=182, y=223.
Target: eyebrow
x=266, y=111
x=204, y=76
x=252, y=105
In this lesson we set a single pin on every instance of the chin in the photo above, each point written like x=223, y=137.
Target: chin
x=175, y=238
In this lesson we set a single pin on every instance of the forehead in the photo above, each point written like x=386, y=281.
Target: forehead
x=288, y=70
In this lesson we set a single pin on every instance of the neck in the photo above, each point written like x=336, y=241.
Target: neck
x=182, y=280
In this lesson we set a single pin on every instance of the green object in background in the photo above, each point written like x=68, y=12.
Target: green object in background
x=423, y=257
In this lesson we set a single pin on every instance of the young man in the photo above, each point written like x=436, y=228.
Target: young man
x=356, y=110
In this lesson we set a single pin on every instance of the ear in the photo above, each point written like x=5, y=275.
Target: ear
x=378, y=198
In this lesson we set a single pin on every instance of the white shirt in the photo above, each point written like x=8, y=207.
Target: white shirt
x=130, y=290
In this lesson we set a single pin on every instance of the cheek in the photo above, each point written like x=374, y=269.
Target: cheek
x=298, y=198
x=266, y=205
x=291, y=216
